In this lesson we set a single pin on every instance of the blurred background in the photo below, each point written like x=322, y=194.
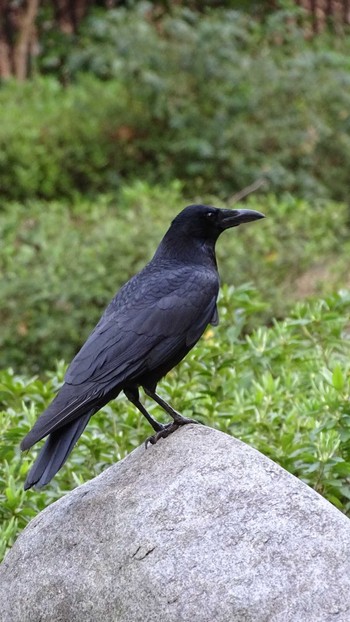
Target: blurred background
x=114, y=116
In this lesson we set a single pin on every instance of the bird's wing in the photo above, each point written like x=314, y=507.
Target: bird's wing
x=150, y=318
x=153, y=318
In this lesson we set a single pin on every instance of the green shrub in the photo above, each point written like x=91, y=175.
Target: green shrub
x=61, y=265
x=56, y=145
x=214, y=100
x=283, y=389
x=222, y=99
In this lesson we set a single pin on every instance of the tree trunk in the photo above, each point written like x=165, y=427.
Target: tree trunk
x=18, y=30
x=25, y=39
x=69, y=13
x=17, y=37
x=5, y=46
x=333, y=13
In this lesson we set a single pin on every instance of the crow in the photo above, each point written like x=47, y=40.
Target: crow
x=147, y=329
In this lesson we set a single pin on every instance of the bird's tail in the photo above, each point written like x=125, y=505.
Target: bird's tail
x=55, y=452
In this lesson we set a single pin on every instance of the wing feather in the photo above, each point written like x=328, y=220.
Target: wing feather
x=154, y=317
x=138, y=335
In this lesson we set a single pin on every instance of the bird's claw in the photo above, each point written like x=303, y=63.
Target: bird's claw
x=167, y=430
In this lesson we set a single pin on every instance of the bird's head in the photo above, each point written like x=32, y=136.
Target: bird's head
x=207, y=222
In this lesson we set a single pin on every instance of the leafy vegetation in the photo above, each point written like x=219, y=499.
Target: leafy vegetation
x=56, y=145
x=139, y=116
x=61, y=265
x=283, y=389
x=214, y=100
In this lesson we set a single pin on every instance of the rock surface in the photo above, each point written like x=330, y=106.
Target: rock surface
x=198, y=528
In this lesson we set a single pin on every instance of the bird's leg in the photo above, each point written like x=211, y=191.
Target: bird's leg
x=133, y=397
x=177, y=418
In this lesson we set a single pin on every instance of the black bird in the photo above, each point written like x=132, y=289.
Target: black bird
x=147, y=329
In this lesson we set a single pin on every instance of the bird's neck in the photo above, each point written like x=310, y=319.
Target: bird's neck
x=187, y=250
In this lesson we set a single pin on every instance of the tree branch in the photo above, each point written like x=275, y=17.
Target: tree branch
x=248, y=190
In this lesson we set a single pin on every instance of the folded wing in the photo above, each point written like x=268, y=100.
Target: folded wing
x=154, y=316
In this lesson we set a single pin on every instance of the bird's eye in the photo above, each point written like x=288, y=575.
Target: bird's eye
x=210, y=214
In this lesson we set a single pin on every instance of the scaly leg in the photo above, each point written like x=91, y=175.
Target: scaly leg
x=178, y=419
x=133, y=397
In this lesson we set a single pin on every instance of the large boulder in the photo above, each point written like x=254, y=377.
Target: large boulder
x=198, y=528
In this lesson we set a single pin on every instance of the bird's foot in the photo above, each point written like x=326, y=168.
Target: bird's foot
x=180, y=420
x=168, y=429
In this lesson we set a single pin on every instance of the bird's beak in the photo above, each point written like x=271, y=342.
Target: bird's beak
x=235, y=217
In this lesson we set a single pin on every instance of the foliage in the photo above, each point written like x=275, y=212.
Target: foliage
x=283, y=389
x=234, y=98
x=216, y=100
x=212, y=101
x=55, y=145
x=61, y=265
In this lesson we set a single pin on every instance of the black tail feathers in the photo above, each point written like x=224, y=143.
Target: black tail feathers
x=55, y=452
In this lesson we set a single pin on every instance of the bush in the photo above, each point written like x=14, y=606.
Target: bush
x=61, y=265
x=222, y=99
x=283, y=389
x=55, y=145
x=215, y=100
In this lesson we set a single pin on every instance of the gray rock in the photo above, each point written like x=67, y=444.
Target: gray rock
x=199, y=528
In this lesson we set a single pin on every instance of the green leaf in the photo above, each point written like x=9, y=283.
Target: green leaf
x=338, y=378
